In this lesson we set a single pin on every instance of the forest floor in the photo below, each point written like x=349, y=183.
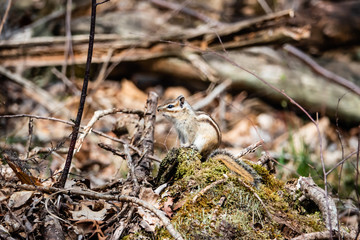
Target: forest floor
x=284, y=77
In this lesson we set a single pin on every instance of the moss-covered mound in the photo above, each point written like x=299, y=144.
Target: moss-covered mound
x=208, y=201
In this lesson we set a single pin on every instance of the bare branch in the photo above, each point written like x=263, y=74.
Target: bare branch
x=265, y=6
x=250, y=149
x=76, y=127
x=152, y=157
x=210, y=97
x=97, y=115
x=5, y=15
x=66, y=81
x=322, y=200
x=131, y=169
x=322, y=71
x=29, y=141
x=342, y=161
x=207, y=188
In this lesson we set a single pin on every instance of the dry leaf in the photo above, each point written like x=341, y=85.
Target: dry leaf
x=87, y=213
x=167, y=207
x=150, y=220
x=91, y=226
x=18, y=199
x=131, y=96
x=148, y=195
x=23, y=177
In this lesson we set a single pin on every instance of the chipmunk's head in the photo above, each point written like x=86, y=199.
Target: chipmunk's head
x=174, y=109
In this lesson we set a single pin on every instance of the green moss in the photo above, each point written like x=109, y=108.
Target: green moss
x=242, y=215
x=189, y=163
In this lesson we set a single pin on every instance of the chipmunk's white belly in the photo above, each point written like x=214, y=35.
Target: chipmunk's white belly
x=205, y=138
x=187, y=132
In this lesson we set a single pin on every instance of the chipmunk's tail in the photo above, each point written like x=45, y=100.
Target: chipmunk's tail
x=245, y=171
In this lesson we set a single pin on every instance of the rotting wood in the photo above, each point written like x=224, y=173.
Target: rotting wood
x=146, y=140
x=325, y=203
x=49, y=51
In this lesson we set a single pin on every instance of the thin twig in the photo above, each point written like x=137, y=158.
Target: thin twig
x=47, y=209
x=97, y=115
x=210, y=97
x=28, y=143
x=102, y=74
x=342, y=149
x=215, y=213
x=37, y=150
x=154, y=158
x=265, y=6
x=95, y=195
x=109, y=148
x=68, y=44
x=76, y=127
x=37, y=117
x=206, y=71
x=207, y=188
x=342, y=161
x=66, y=81
x=322, y=71
x=5, y=15
x=250, y=149
x=104, y=1
x=131, y=169
x=269, y=215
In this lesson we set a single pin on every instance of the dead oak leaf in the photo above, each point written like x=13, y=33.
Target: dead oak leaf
x=87, y=213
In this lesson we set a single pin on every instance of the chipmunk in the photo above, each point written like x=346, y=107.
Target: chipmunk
x=198, y=130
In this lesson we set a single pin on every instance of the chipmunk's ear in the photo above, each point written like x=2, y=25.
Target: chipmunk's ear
x=181, y=100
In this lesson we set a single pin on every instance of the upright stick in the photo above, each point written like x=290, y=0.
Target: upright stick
x=76, y=127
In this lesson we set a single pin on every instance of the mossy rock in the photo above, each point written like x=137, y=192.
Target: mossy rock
x=230, y=209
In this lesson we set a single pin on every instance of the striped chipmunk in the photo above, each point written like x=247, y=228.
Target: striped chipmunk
x=198, y=130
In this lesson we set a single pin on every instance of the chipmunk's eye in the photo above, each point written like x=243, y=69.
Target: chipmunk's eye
x=170, y=106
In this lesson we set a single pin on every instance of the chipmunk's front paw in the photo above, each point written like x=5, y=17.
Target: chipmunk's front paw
x=192, y=146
